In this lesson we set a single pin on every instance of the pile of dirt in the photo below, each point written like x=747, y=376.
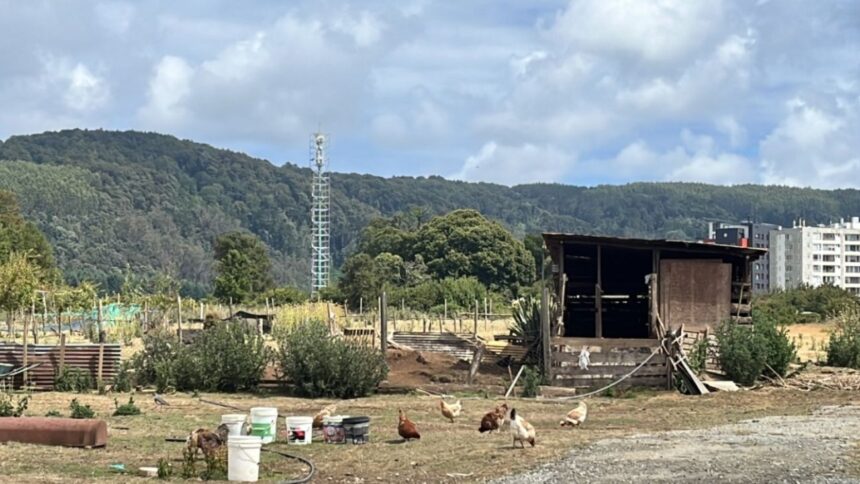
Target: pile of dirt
x=412, y=369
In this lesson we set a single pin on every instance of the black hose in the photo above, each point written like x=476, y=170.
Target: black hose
x=311, y=466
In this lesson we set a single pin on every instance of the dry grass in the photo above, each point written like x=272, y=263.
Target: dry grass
x=811, y=340
x=444, y=449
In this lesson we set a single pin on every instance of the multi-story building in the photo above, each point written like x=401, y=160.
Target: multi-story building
x=824, y=254
x=748, y=234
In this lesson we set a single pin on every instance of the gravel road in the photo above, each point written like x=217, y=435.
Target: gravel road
x=815, y=448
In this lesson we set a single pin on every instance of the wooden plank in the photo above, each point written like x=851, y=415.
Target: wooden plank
x=576, y=382
x=546, y=356
x=609, y=373
x=598, y=293
x=62, y=351
x=383, y=322
x=576, y=344
x=608, y=358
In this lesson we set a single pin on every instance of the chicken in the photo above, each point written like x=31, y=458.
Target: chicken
x=325, y=412
x=494, y=420
x=207, y=441
x=576, y=416
x=450, y=411
x=406, y=428
x=521, y=430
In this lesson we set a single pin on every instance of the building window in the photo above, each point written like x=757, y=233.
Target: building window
x=852, y=237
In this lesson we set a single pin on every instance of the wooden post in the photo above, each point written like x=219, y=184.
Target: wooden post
x=33, y=326
x=360, y=307
x=652, y=294
x=598, y=297
x=26, y=359
x=546, y=356
x=99, y=381
x=446, y=309
x=383, y=323
x=62, y=351
x=44, y=315
x=476, y=362
x=99, y=320
x=202, y=310
x=486, y=315
x=179, y=315
x=230, y=307
x=146, y=313
x=475, y=330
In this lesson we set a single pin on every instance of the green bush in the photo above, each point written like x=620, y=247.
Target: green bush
x=123, y=381
x=322, y=366
x=53, y=413
x=699, y=355
x=531, y=382
x=80, y=411
x=779, y=348
x=126, y=409
x=73, y=379
x=225, y=357
x=844, y=346
x=743, y=352
x=802, y=304
x=8, y=409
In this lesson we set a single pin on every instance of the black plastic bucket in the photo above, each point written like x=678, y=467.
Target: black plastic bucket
x=357, y=429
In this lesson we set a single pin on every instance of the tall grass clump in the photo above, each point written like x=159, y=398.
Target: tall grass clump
x=319, y=365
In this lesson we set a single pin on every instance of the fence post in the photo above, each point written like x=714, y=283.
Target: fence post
x=101, y=365
x=62, y=352
x=34, y=328
x=383, y=323
x=544, y=332
x=475, y=332
x=100, y=321
x=179, y=315
x=361, y=307
x=26, y=329
x=446, y=309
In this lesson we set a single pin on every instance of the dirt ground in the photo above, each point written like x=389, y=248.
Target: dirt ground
x=446, y=452
x=811, y=340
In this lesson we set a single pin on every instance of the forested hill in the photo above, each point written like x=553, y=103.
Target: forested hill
x=131, y=204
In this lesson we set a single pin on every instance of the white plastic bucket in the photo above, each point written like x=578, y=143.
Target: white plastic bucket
x=299, y=430
x=234, y=423
x=264, y=423
x=243, y=458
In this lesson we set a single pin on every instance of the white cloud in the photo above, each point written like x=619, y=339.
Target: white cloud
x=168, y=90
x=365, y=29
x=514, y=165
x=116, y=17
x=82, y=90
x=815, y=145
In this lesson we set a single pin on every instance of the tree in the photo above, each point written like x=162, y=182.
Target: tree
x=18, y=235
x=534, y=244
x=464, y=243
x=242, y=266
x=19, y=280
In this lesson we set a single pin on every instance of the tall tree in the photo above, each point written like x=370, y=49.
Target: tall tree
x=19, y=236
x=242, y=267
x=19, y=280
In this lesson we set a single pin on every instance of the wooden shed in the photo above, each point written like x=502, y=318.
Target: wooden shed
x=620, y=295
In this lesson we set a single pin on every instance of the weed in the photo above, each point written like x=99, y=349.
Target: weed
x=126, y=409
x=79, y=410
x=531, y=382
x=73, y=379
x=165, y=469
x=8, y=409
x=53, y=413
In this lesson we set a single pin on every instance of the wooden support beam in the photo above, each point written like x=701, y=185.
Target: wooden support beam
x=546, y=356
x=598, y=299
x=476, y=362
x=383, y=322
x=62, y=352
x=99, y=381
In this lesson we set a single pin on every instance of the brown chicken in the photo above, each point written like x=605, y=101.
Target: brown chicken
x=325, y=412
x=576, y=416
x=450, y=411
x=406, y=428
x=207, y=441
x=494, y=420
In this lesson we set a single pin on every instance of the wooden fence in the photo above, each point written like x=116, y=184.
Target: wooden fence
x=610, y=359
x=83, y=356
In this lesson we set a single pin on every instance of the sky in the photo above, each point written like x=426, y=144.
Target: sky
x=581, y=92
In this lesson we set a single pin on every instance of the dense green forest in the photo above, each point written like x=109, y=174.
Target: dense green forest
x=120, y=203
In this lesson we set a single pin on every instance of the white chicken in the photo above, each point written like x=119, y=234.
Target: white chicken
x=584, y=359
x=576, y=417
x=450, y=411
x=521, y=430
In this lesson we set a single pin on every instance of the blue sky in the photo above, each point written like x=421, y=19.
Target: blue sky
x=579, y=91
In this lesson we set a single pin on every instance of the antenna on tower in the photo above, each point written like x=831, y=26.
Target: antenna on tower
x=320, y=221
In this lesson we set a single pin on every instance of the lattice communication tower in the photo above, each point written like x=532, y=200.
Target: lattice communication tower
x=320, y=219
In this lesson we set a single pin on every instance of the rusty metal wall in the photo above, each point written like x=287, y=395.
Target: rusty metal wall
x=84, y=356
x=695, y=292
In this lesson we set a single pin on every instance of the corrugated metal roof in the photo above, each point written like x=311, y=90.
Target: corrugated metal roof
x=554, y=239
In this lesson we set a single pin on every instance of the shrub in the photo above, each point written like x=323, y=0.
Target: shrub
x=844, y=346
x=8, y=409
x=165, y=468
x=780, y=350
x=80, y=411
x=322, y=366
x=531, y=382
x=225, y=357
x=126, y=409
x=53, y=413
x=123, y=381
x=743, y=352
x=699, y=355
x=73, y=379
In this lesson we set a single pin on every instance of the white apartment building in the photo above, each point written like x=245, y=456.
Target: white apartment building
x=824, y=254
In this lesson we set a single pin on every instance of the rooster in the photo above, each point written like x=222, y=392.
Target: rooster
x=406, y=428
x=325, y=412
x=494, y=420
x=521, y=430
x=450, y=411
x=576, y=416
